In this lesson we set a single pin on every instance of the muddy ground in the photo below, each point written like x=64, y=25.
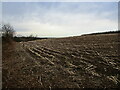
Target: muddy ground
x=91, y=61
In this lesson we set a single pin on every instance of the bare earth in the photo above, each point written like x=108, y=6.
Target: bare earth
x=91, y=61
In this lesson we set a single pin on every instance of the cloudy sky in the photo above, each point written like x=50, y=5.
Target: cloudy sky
x=60, y=19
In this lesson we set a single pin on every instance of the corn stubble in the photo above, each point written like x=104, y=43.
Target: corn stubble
x=90, y=61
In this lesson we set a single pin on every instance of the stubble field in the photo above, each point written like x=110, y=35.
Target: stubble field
x=88, y=61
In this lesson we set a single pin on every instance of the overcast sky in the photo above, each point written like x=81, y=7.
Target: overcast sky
x=60, y=19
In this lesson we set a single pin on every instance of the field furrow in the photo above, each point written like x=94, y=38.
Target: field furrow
x=90, y=61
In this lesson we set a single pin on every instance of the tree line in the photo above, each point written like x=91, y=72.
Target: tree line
x=8, y=35
x=107, y=32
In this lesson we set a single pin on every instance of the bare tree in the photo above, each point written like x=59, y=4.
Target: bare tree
x=7, y=32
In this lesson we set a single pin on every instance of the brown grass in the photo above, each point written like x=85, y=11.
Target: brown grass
x=7, y=49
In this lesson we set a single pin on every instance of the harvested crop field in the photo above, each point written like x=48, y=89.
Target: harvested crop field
x=88, y=61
